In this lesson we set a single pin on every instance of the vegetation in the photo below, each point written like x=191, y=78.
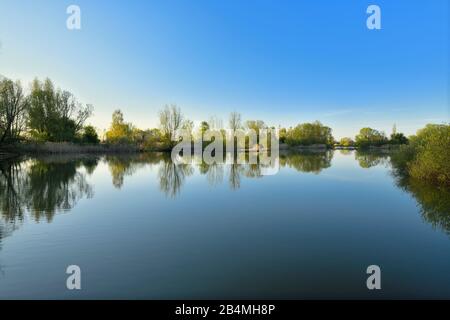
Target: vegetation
x=309, y=134
x=171, y=120
x=119, y=131
x=346, y=142
x=90, y=135
x=13, y=107
x=52, y=120
x=427, y=156
x=311, y=162
x=282, y=133
x=397, y=138
x=370, y=137
x=55, y=115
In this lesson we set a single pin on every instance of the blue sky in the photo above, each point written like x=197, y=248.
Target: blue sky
x=285, y=62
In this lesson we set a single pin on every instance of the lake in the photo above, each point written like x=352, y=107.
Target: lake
x=142, y=227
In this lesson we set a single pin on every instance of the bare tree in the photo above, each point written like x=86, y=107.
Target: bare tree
x=170, y=119
x=13, y=106
x=235, y=121
x=215, y=123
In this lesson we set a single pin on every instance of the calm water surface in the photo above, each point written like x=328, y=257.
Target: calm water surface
x=140, y=226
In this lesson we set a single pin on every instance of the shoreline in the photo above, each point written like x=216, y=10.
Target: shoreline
x=29, y=148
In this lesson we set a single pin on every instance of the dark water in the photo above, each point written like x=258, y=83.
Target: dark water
x=141, y=227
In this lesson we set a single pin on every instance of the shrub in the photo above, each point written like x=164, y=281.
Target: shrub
x=427, y=157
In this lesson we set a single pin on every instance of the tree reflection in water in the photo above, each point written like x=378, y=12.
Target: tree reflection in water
x=122, y=165
x=307, y=161
x=43, y=186
x=368, y=159
x=234, y=179
x=433, y=201
x=171, y=177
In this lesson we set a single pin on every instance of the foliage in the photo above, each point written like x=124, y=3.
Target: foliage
x=346, y=142
x=308, y=134
x=119, y=131
x=398, y=138
x=90, y=135
x=256, y=125
x=153, y=139
x=427, y=157
x=53, y=114
x=282, y=135
x=13, y=106
x=370, y=137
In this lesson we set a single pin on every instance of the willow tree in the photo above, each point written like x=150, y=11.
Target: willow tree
x=13, y=106
x=55, y=114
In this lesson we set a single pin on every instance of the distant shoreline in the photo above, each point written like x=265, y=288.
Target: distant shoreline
x=9, y=151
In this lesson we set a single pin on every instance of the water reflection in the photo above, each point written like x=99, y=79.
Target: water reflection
x=172, y=176
x=236, y=170
x=433, y=202
x=368, y=159
x=122, y=165
x=313, y=162
x=44, y=186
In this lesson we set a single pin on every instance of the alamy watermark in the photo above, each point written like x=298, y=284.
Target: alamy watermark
x=73, y=281
x=373, y=22
x=229, y=146
x=374, y=280
x=73, y=22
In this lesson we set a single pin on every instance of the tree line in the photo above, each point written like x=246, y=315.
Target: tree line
x=51, y=114
x=45, y=114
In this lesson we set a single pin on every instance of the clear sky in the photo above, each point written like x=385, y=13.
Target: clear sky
x=285, y=62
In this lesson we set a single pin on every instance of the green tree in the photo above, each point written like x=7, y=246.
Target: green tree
x=432, y=149
x=119, y=131
x=398, y=138
x=204, y=126
x=282, y=135
x=309, y=133
x=346, y=142
x=90, y=135
x=370, y=137
x=154, y=139
x=53, y=114
x=13, y=107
